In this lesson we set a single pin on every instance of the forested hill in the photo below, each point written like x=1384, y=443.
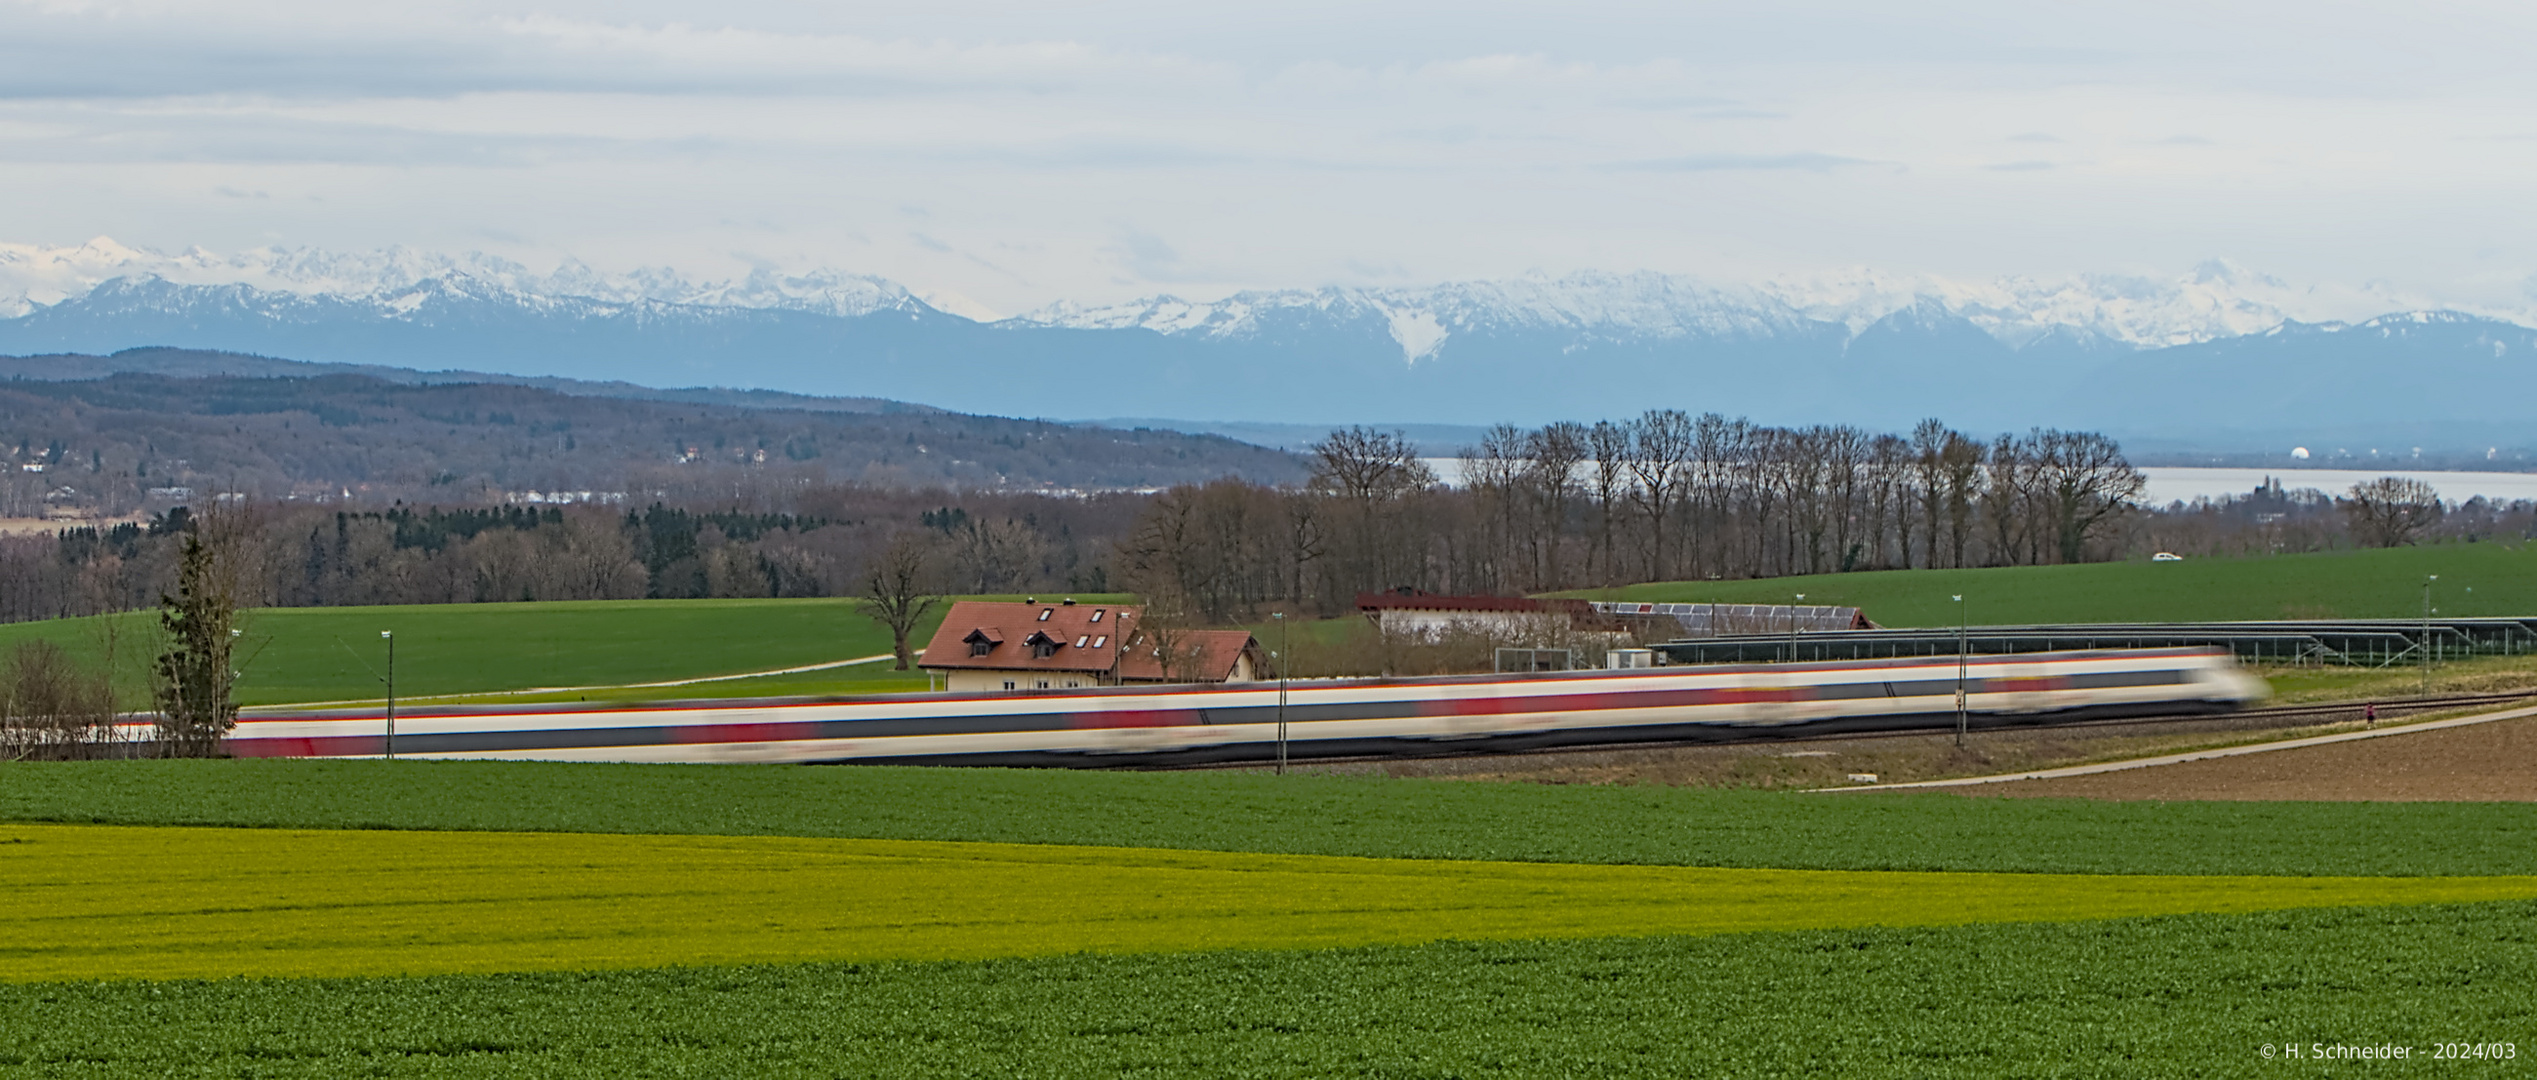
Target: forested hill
x=197, y=363
x=104, y=444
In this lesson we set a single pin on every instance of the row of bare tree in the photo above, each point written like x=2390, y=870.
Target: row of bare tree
x=1667, y=495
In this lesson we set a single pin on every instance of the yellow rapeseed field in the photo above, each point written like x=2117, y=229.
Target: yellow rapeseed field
x=104, y=902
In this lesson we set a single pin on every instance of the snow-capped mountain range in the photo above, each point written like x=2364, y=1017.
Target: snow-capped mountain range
x=2215, y=300
x=399, y=279
x=1861, y=346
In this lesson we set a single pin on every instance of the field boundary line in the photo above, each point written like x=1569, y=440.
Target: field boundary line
x=603, y=686
x=2195, y=755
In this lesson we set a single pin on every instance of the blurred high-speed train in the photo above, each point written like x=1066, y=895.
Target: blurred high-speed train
x=1324, y=718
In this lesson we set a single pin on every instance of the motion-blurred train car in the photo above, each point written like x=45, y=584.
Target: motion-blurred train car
x=1321, y=718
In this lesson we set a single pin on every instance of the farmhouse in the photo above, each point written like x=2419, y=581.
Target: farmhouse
x=992, y=646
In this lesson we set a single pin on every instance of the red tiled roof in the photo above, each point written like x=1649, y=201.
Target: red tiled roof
x=1009, y=627
x=1211, y=655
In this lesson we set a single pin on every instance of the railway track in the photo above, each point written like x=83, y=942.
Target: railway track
x=2242, y=719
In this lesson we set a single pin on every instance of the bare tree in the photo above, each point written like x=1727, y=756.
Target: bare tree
x=1372, y=473
x=1553, y=455
x=1163, y=631
x=898, y=590
x=2391, y=511
x=1369, y=466
x=1664, y=443
x=1888, y=507
x=1610, y=445
x=50, y=707
x=1491, y=471
x=1929, y=476
x=1960, y=462
x=997, y=555
x=2083, y=482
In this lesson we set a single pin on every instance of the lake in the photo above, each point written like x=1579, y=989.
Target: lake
x=2173, y=483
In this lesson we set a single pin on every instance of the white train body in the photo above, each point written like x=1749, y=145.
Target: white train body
x=1323, y=718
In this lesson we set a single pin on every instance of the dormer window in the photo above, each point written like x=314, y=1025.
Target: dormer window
x=1042, y=645
x=982, y=641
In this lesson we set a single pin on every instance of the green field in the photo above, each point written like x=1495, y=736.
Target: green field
x=106, y=902
x=786, y=921
x=1303, y=815
x=335, y=654
x=2340, y=584
x=467, y=651
x=1206, y=928
x=2198, y=995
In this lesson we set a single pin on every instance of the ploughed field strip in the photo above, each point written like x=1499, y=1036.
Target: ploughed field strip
x=2495, y=762
x=92, y=902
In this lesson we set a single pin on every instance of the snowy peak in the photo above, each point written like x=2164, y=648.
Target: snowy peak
x=1540, y=313
x=2213, y=300
x=405, y=279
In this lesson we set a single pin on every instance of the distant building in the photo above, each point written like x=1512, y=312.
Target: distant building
x=1723, y=620
x=1429, y=616
x=986, y=645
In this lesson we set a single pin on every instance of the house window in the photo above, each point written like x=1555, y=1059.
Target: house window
x=1071, y=684
x=1008, y=684
x=1043, y=684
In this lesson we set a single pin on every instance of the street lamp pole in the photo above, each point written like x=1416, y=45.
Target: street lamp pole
x=1285, y=657
x=390, y=638
x=1960, y=671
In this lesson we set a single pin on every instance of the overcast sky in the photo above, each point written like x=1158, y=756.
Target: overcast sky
x=1017, y=154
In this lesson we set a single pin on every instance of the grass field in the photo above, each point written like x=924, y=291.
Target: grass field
x=334, y=654
x=1766, y=971
x=1305, y=815
x=2343, y=584
x=92, y=902
x=465, y=651
x=2197, y=995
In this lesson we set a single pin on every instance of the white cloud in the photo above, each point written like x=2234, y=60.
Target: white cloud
x=1311, y=141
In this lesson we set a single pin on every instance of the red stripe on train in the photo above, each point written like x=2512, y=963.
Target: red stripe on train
x=1133, y=718
x=1611, y=701
x=308, y=746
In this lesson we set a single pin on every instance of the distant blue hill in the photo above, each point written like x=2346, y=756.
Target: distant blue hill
x=1336, y=363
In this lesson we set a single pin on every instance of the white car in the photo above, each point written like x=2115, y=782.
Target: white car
x=2166, y=556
